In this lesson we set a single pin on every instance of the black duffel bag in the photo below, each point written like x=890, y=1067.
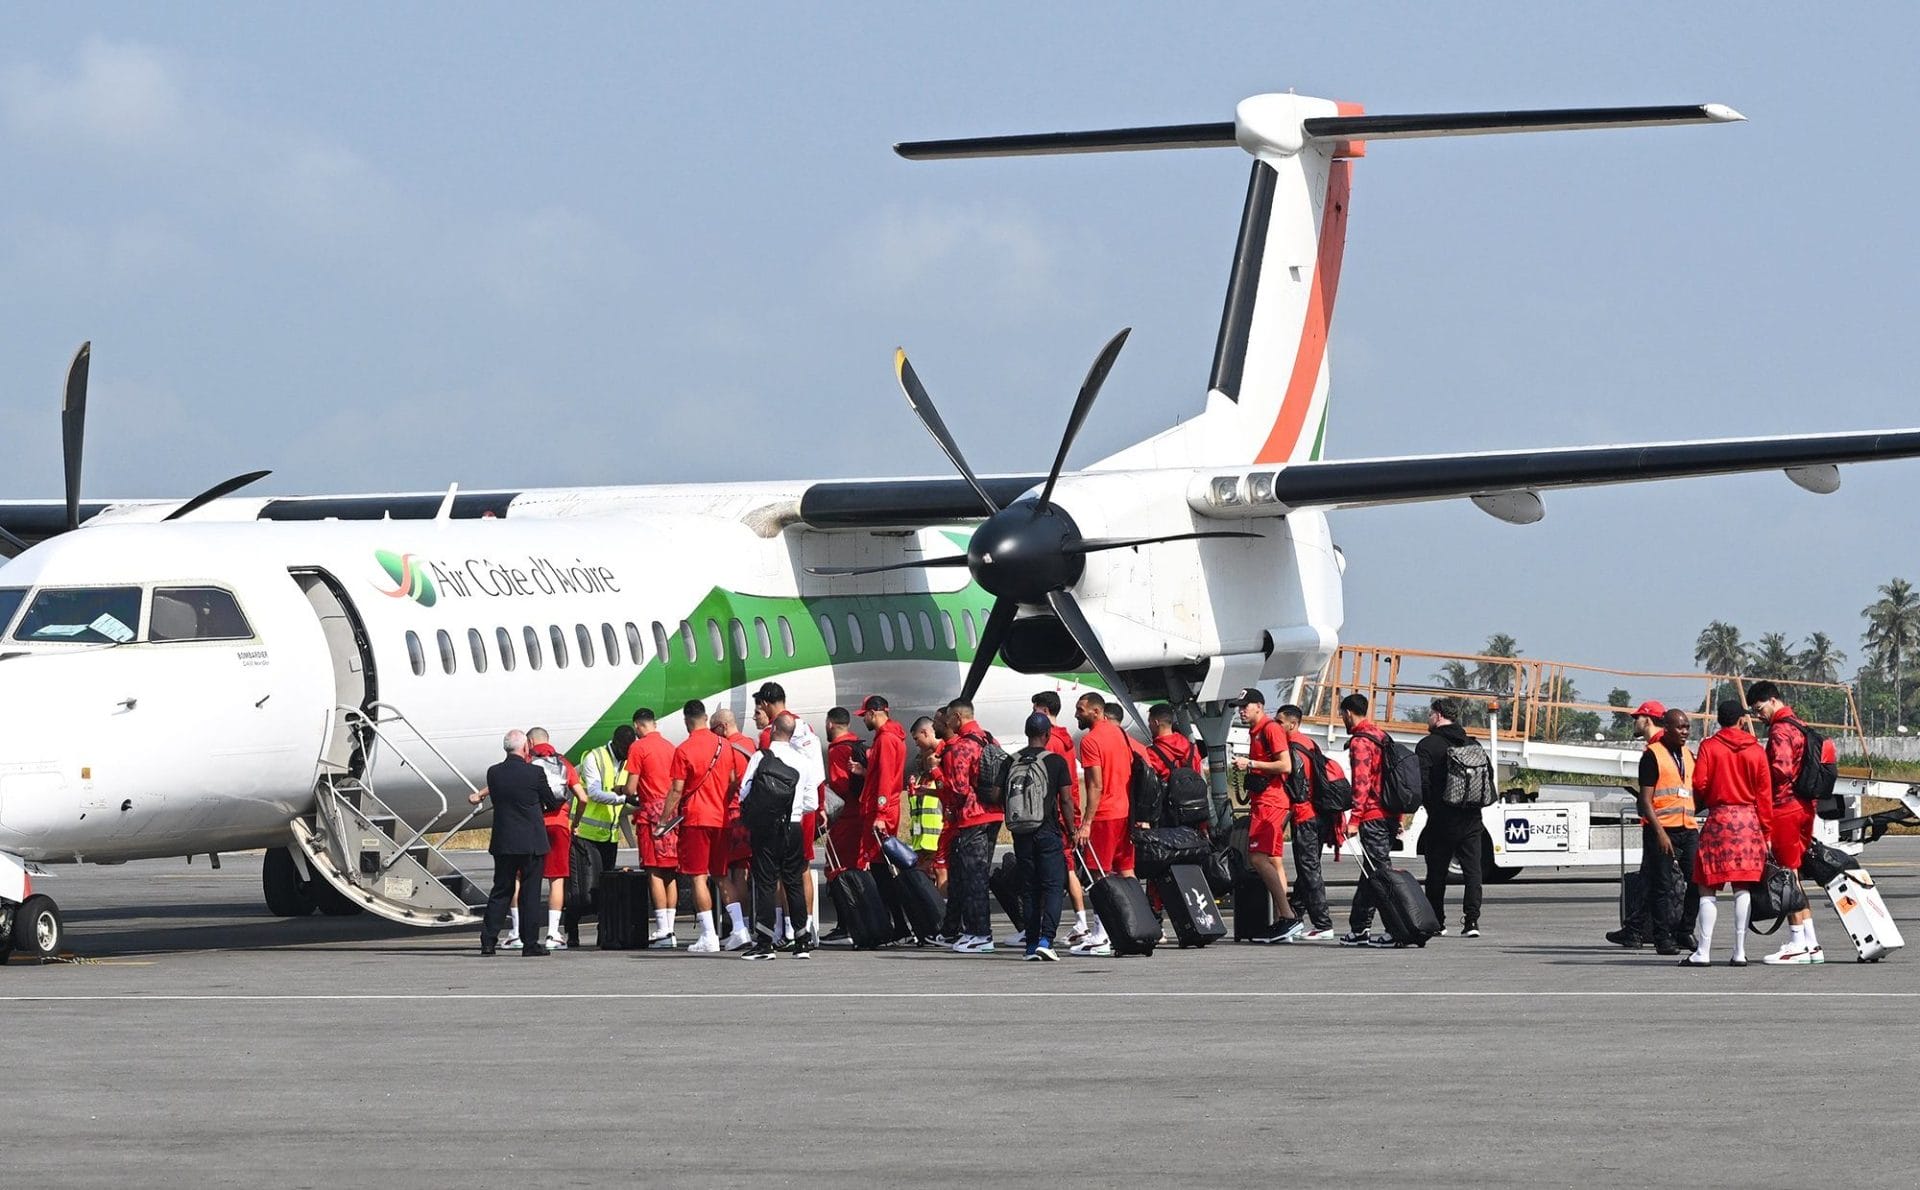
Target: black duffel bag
x=1225, y=865
x=1159, y=848
x=1777, y=897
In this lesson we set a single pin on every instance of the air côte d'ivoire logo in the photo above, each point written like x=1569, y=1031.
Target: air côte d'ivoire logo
x=424, y=581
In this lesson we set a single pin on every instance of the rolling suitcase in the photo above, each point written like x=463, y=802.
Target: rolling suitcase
x=1252, y=908
x=1404, y=908
x=1190, y=906
x=626, y=909
x=1004, y=883
x=1864, y=915
x=858, y=907
x=911, y=889
x=1121, y=904
x=891, y=904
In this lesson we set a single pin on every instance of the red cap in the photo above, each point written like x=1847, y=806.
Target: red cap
x=1650, y=708
x=874, y=702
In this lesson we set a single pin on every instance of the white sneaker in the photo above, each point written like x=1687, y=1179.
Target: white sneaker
x=556, y=942
x=1311, y=935
x=963, y=943
x=978, y=945
x=1077, y=935
x=1092, y=948
x=512, y=943
x=1019, y=940
x=664, y=941
x=705, y=944
x=1794, y=955
x=738, y=940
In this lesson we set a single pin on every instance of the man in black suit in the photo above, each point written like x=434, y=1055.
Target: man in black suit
x=520, y=796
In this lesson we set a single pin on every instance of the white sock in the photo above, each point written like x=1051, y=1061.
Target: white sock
x=1703, y=928
x=705, y=918
x=738, y=918
x=513, y=923
x=1080, y=919
x=1099, y=933
x=553, y=923
x=663, y=921
x=1742, y=913
x=1806, y=935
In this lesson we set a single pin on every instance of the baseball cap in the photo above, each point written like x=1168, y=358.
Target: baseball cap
x=770, y=692
x=1650, y=708
x=1038, y=724
x=874, y=702
x=1250, y=695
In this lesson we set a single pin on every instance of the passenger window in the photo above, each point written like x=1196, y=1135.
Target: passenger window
x=559, y=640
x=715, y=641
x=611, y=639
x=946, y=626
x=584, y=637
x=786, y=636
x=416, y=656
x=633, y=642
x=886, y=632
x=966, y=621
x=532, y=640
x=686, y=643
x=504, y=639
x=660, y=643
x=853, y=634
x=766, y=641
x=448, y=658
x=826, y=634
x=906, y=633
x=195, y=613
x=926, y=631
x=738, y=632
x=82, y=615
x=478, y=644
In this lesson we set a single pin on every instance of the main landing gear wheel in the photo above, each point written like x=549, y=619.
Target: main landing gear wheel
x=287, y=894
x=330, y=900
x=37, y=928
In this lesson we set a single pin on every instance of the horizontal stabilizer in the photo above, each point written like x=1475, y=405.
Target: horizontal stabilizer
x=1571, y=119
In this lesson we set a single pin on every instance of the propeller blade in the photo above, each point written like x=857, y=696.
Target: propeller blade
x=922, y=404
x=1093, y=545
x=224, y=488
x=1083, y=405
x=1068, y=609
x=917, y=564
x=73, y=427
x=19, y=546
x=993, y=634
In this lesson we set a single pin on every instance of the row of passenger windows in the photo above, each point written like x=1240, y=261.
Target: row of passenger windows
x=736, y=641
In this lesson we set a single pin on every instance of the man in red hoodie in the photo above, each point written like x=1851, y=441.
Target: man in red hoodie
x=1731, y=783
x=1791, y=827
x=885, y=787
x=1366, y=752
x=976, y=827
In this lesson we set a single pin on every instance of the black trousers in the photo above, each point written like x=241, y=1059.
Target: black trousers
x=1452, y=834
x=506, y=868
x=1311, y=887
x=778, y=862
x=1376, y=844
x=1043, y=880
x=968, y=858
x=1672, y=905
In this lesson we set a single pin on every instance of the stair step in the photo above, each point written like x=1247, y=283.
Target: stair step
x=386, y=823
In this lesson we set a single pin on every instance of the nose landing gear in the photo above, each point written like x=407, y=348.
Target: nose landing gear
x=33, y=928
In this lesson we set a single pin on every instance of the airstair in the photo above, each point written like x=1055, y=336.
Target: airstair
x=355, y=842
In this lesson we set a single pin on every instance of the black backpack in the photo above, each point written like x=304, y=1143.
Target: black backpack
x=1400, y=786
x=857, y=781
x=992, y=776
x=1188, y=800
x=1469, y=781
x=1817, y=775
x=1026, y=793
x=1309, y=782
x=1146, y=793
x=775, y=783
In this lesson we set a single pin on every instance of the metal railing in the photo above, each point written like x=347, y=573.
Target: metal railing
x=374, y=719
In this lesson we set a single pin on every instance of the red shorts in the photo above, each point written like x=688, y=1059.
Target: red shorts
x=1268, y=825
x=559, y=851
x=739, y=845
x=1790, y=833
x=662, y=853
x=703, y=850
x=1111, y=841
x=809, y=823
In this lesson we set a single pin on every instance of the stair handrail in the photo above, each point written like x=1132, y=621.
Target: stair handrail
x=394, y=715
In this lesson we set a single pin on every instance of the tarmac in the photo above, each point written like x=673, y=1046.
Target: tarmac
x=199, y=1042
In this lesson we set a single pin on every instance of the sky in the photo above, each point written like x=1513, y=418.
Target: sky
x=378, y=247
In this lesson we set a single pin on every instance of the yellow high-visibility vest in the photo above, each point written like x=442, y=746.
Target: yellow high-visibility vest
x=598, y=822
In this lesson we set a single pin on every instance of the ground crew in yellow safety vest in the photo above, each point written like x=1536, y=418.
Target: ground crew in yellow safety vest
x=925, y=816
x=1670, y=835
x=596, y=817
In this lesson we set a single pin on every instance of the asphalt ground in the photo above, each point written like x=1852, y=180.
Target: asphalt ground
x=199, y=1042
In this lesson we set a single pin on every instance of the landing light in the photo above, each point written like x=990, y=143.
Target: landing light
x=1260, y=487
x=1225, y=491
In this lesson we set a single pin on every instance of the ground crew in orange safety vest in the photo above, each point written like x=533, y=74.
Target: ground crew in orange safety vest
x=1637, y=926
x=1670, y=834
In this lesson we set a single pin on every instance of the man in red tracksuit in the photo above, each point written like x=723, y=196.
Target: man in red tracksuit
x=976, y=827
x=1790, y=828
x=885, y=790
x=1365, y=754
x=845, y=773
x=1312, y=830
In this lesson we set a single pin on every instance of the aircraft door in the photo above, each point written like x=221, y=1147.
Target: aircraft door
x=355, y=684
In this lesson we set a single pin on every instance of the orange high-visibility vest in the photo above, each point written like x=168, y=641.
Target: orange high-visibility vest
x=1673, y=791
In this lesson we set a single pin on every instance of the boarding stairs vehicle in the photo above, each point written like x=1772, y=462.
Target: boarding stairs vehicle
x=1582, y=761
x=360, y=854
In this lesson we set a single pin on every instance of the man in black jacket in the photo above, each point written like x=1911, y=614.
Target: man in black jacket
x=1452, y=832
x=521, y=796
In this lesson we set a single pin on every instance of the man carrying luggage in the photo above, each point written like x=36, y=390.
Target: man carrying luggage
x=1267, y=766
x=1790, y=828
x=976, y=827
x=1366, y=755
x=1036, y=836
x=1106, y=821
x=1453, y=834
x=1669, y=834
x=649, y=779
x=884, y=789
x=1649, y=719
x=790, y=771
x=1060, y=743
x=597, y=816
x=1313, y=830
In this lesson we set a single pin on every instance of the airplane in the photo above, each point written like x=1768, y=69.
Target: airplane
x=311, y=675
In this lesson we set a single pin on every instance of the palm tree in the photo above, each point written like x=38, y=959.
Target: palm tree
x=1454, y=676
x=1773, y=658
x=1719, y=650
x=1893, y=632
x=1491, y=675
x=1820, y=661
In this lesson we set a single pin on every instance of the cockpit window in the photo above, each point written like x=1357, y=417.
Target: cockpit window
x=196, y=613
x=86, y=615
x=10, y=600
